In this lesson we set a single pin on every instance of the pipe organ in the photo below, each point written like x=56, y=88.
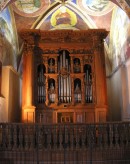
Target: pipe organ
x=67, y=74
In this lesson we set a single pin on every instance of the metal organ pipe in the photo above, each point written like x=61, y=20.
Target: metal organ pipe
x=41, y=84
x=88, y=87
x=64, y=80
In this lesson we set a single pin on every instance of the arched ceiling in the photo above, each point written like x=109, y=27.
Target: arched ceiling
x=49, y=14
x=41, y=14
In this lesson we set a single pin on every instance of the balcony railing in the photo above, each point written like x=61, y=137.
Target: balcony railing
x=69, y=138
x=58, y=136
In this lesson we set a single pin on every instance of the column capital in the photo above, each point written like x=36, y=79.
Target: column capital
x=27, y=49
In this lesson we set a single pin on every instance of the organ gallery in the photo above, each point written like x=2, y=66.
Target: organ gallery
x=64, y=76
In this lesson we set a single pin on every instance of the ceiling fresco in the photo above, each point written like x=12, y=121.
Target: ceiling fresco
x=63, y=18
x=76, y=10
x=96, y=7
x=35, y=7
x=30, y=8
x=125, y=4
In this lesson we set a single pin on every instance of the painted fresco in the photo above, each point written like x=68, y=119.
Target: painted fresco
x=5, y=25
x=63, y=18
x=95, y=7
x=119, y=37
x=9, y=37
x=30, y=8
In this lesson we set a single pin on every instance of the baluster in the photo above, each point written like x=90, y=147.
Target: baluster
x=72, y=138
x=26, y=137
x=54, y=137
x=40, y=136
x=51, y=133
x=44, y=137
x=99, y=139
x=20, y=137
x=81, y=137
x=84, y=135
x=66, y=139
x=89, y=137
x=5, y=128
x=9, y=136
x=61, y=137
x=105, y=136
x=126, y=134
x=92, y=135
x=111, y=134
x=31, y=136
x=88, y=142
x=77, y=137
x=48, y=139
x=14, y=136
x=116, y=135
x=121, y=135
x=69, y=142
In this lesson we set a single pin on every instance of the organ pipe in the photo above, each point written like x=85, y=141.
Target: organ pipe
x=64, y=85
x=88, y=84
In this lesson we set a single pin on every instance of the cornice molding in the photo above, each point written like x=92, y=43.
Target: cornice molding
x=51, y=42
x=33, y=37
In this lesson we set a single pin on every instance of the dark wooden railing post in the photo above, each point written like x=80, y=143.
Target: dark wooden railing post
x=14, y=136
x=20, y=137
x=110, y=130
x=9, y=136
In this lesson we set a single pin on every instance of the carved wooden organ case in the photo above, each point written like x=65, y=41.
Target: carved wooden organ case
x=64, y=76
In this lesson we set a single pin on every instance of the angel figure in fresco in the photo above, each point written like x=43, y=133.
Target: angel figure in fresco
x=28, y=6
x=96, y=5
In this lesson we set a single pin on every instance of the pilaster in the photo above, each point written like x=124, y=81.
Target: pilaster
x=28, y=109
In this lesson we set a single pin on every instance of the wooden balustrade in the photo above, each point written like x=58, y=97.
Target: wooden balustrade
x=67, y=136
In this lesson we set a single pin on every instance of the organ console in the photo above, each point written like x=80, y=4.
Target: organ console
x=67, y=75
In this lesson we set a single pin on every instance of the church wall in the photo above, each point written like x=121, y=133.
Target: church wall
x=118, y=94
x=5, y=93
x=11, y=93
x=114, y=97
x=128, y=90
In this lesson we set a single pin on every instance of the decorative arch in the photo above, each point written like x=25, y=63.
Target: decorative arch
x=70, y=6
